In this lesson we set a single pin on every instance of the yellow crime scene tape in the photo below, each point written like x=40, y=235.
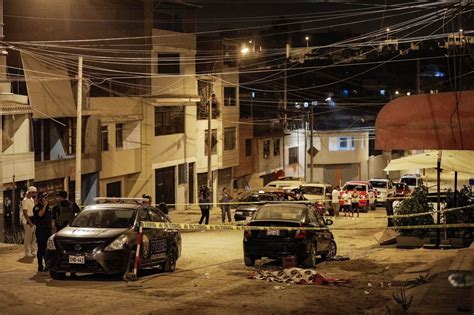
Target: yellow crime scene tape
x=223, y=227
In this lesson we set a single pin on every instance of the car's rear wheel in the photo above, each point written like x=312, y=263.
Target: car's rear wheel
x=249, y=261
x=57, y=275
x=331, y=252
x=170, y=263
x=310, y=260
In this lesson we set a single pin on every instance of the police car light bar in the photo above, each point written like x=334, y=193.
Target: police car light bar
x=120, y=199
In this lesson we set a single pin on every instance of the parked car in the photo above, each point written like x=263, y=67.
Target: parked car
x=252, y=200
x=287, y=185
x=275, y=244
x=367, y=194
x=318, y=192
x=402, y=190
x=102, y=237
x=412, y=180
x=385, y=189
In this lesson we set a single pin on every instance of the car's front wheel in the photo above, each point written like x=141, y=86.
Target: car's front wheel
x=170, y=263
x=249, y=261
x=331, y=252
x=310, y=260
x=57, y=275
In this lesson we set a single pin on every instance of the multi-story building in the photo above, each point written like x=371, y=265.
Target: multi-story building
x=219, y=86
x=340, y=156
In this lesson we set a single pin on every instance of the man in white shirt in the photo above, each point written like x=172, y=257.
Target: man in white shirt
x=335, y=194
x=27, y=204
x=346, y=197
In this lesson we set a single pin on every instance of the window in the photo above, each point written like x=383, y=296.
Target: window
x=266, y=149
x=114, y=189
x=293, y=155
x=230, y=93
x=169, y=120
x=276, y=147
x=213, y=142
x=119, y=135
x=341, y=143
x=105, y=138
x=168, y=63
x=155, y=216
x=182, y=175
x=248, y=147
x=229, y=138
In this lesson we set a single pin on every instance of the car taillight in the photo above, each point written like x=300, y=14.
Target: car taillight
x=247, y=233
x=300, y=234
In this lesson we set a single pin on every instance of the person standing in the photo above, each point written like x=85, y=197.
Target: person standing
x=27, y=205
x=335, y=194
x=43, y=221
x=346, y=202
x=225, y=206
x=64, y=211
x=204, y=204
x=355, y=203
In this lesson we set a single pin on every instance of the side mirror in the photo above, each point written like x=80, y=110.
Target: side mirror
x=329, y=222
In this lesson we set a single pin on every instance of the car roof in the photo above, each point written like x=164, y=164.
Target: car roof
x=111, y=206
x=285, y=205
x=315, y=185
x=357, y=182
x=379, y=179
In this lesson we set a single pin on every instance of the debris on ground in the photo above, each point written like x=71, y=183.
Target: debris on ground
x=339, y=258
x=295, y=276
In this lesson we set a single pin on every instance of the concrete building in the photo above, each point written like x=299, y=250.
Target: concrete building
x=221, y=79
x=341, y=156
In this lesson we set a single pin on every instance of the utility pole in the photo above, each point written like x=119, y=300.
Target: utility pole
x=311, y=145
x=209, y=142
x=285, y=103
x=79, y=134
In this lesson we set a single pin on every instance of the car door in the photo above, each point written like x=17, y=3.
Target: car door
x=160, y=242
x=324, y=235
x=148, y=234
x=313, y=222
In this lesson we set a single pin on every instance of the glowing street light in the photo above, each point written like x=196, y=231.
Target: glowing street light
x=245, y=50
x=307, y=41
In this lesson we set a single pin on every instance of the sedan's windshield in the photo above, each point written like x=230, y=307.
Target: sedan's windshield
x=279, y=213
x=355, y=187
x=253, y=197
x=104, y=218
x=378, y=184
x=313, y=190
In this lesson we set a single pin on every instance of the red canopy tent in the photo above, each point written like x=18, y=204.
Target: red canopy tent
x=443, y=121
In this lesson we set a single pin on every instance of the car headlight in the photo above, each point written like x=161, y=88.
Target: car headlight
x=117, y=244
x=50, y=244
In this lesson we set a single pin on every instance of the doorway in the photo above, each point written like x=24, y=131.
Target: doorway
x=165, y=185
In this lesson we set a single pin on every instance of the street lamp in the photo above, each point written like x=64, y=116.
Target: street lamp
x=307, y=42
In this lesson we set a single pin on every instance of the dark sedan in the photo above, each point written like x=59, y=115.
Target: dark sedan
x=306, y=245
x=251, y=201
x=102, y=238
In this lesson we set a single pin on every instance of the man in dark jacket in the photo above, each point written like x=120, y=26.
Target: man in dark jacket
x=64, y=211
x=43, y=221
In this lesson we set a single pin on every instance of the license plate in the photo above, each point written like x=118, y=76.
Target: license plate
x=73, y=259
x=273, y=232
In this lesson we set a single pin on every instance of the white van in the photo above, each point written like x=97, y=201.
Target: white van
x=385, y=189
x=318, y=192
x=412, y=180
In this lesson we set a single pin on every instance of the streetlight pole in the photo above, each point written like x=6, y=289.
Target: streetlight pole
x=209, y=140
x=311, y=145
x=79, y=134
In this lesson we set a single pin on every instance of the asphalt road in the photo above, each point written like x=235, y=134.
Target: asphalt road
x=211, y=278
